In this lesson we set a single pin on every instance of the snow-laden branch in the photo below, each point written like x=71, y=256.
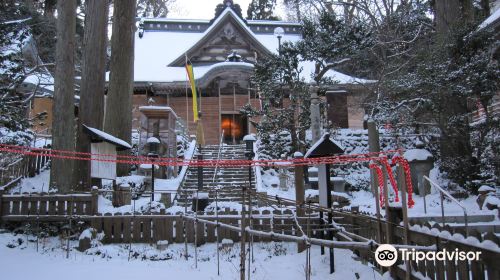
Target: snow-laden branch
x=322, y=69
x=15, y=21
x=405, y=103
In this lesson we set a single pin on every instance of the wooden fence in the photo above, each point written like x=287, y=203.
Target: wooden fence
x=143, y=228
x=124, y=228
x=22, y=167
x=443, y=238
x=47, y=207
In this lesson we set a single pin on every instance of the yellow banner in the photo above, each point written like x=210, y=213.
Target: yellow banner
x=189, y=69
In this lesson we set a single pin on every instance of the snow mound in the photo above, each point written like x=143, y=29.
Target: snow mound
x=417, y=154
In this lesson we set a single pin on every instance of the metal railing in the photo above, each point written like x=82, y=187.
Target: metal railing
x=442, y=193
x=218, y=156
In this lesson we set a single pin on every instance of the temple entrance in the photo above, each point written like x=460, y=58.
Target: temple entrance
x=235, y=127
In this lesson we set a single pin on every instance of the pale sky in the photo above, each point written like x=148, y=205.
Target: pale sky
x=202, y=9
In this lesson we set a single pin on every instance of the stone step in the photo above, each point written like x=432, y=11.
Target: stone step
x=228, y=180
x=218, y=178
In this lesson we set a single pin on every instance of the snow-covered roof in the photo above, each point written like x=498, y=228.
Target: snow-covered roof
x=228, y=13
x=491, y=19
x=108, y=138
x=43, y=80
x=167, y=109
x=324, y=141
x=157, y=49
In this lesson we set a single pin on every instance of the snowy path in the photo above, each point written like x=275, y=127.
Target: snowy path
x=272, y=261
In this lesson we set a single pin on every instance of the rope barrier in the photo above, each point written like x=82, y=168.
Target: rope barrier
x=136, y=160
x=385, y=162
x=52, y=151
x=380, y=178
x=406, y=168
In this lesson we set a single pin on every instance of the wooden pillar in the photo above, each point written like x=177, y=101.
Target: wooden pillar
x=374, y=146
x=299, y=196
x=406, y=236
x=1, y=204
x=94, y=203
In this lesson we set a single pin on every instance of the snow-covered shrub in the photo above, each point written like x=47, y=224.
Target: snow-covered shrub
x=357, y=175
x=274, y=146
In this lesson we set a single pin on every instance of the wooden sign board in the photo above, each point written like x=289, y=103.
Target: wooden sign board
x=323, y=190
x=103, y=169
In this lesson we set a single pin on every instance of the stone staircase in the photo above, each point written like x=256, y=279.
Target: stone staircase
x=228, y=180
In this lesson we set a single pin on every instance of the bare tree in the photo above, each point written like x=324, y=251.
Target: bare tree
x=91, y=111
x=63, y=127
x=154, y=8
x=118, y=117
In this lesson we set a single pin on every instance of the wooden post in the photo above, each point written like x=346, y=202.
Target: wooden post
x=374, y=146
x=406, y=236
x=32, y=165
x=1, y=204
x=243, y=235
x=94, y=202
x=389, y=227
x=299, y=196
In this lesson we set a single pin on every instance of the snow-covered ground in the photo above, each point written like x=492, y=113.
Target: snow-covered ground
x=271, y=261
x=366, y=203
x=366, y=200
x=39, y=183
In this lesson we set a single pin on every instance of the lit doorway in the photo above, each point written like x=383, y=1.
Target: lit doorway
x=235, y=127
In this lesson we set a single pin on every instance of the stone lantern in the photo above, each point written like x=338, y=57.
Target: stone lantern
x=421, y=162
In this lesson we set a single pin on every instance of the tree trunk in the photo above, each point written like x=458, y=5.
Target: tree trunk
x=451, y=13
x=91, y=111
x=455, y=145
x=485, y=6
x=63, y=125
x=118, y=117
x=49, y=8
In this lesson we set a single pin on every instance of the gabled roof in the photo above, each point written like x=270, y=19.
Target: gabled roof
x=228, y=15
x=99, y=136
x=164, y=42
x=324, y=147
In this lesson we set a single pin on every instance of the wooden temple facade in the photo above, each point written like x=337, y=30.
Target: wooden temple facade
x=223, y=51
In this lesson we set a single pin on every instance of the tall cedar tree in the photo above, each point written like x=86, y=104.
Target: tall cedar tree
x=118, y=119
x=91, y=110
x=63, y=124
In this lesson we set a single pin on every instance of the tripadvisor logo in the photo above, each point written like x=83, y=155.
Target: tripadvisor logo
x=386, y=255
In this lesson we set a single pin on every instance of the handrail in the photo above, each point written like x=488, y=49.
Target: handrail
x=186, y=167
x=444, y=192
x=218, y=156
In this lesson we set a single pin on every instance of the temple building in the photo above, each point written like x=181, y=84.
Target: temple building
x=223, y=52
